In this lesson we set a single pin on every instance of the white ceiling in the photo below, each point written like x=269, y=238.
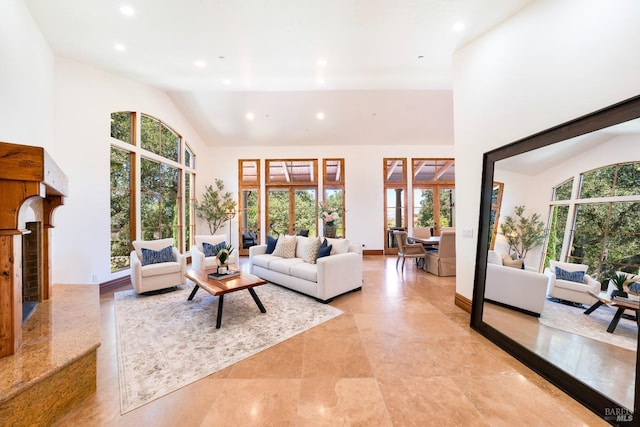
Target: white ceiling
x=387, y=77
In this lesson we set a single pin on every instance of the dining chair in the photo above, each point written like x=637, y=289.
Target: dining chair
x=409, y=250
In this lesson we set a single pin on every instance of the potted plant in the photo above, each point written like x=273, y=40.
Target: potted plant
x=222, y=256
x=522, y=232
x=618, y=280
x=216, y=207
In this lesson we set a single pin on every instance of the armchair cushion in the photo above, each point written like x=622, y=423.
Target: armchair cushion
x=212, y=250
x=149, y=256
x=572, y=276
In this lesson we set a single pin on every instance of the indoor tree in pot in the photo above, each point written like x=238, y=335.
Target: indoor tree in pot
x=522, y=232
x=216, y=207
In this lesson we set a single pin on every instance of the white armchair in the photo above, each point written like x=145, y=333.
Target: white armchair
x=147, y=277
x=198, y=259
x=569, y=290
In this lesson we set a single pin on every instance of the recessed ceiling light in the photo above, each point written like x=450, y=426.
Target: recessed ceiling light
x=420, y=56
x=226, y=82
x=458, y=26
x=220, y=57
x=320, y=115
x=127, y=10
x=120, y=47
x=250, y=116
x=322, y=62
x=200, y=63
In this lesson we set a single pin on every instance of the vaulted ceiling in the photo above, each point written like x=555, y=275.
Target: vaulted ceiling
x=378, y=71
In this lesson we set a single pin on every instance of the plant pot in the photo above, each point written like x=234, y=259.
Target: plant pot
x=330, y=231
x=617, y=293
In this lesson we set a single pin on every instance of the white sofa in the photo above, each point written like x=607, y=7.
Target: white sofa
x=199, y=261
x=152, y=277
x=329, y=277
x=523, y=290
x=571, y=291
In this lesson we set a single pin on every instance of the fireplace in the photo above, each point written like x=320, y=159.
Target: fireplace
x=32, y=186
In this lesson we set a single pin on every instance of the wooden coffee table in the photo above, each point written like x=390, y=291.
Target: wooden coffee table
x=224, y=285
x=622, y=305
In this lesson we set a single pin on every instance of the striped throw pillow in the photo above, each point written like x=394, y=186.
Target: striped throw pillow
x=149, y=256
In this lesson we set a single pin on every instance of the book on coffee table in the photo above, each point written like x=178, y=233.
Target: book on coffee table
x=224, y=276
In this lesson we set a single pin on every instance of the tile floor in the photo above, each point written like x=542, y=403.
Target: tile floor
x=402, y=354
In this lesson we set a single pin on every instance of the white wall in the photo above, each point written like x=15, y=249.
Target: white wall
x=26, y=79
x=554, y=61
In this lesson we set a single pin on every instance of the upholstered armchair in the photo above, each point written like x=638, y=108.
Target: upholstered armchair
x=443, y=261
x=570, y=282
x=156, y=264
x=201, y=258
x=408, y=250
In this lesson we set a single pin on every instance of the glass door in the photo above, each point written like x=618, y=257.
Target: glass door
x=435, y=213
x=278, y=211
x=249, y=219
x=292, y=210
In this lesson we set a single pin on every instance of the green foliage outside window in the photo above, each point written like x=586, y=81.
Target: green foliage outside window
x=563, y=191
x=121, y=126
x=120, y=209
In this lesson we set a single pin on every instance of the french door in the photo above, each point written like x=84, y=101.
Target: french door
x=434, y=207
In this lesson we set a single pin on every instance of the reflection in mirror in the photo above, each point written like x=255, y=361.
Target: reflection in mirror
x=557, y=303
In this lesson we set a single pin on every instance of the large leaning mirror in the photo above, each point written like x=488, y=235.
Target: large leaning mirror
x=573, y=191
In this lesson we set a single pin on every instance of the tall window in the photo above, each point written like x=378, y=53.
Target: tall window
x=395, y=201
x=433, y=193
x=164, y=193
x=248, y=204
x=333, y=194
x=602, y=219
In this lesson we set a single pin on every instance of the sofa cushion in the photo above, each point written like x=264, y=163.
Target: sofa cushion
x=305, y=271
x=311, y=250
x=340, y=246
x=301, y=246
x=264, y=260
x=324, y=251
x=271, y=244
x=149, y=256
x=283, y=265
x=572, y=276
x=286, y=246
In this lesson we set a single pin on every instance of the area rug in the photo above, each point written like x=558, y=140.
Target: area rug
x=572, y=319
x=166, y=342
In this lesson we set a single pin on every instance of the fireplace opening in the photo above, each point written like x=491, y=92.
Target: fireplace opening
x=31, y=268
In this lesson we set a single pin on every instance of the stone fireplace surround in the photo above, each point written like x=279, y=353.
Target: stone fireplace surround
x=47, y=364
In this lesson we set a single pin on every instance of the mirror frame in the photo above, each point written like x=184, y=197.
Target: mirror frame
x=587, y=396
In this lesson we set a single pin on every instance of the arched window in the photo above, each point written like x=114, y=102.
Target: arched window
x=595, y=220
x=152, y=184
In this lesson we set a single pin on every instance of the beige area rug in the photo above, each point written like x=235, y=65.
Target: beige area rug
x=166, y=342
x=572, y=319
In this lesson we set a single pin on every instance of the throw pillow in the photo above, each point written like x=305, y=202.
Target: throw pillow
x=212, y=250
x=311, y=250
x=571, y=276
x=340, y=246
x=324, y=251
x=508, y=262
x=271, y=244
x=149, y=256
x=286, y=247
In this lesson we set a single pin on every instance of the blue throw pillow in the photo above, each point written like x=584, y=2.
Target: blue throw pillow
x=634, y=287
x=324, y=251
x=271, y=244
x=572, y=276
x=149, y=256
x=324, y=244
x=212, y=250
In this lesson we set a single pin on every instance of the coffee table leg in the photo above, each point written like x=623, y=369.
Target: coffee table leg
x=593, y=307
x=219, y=319
x=257, y=300
x=193, y=292
x=615, y=320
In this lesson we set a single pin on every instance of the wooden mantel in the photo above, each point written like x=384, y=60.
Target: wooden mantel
x=25, y=172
